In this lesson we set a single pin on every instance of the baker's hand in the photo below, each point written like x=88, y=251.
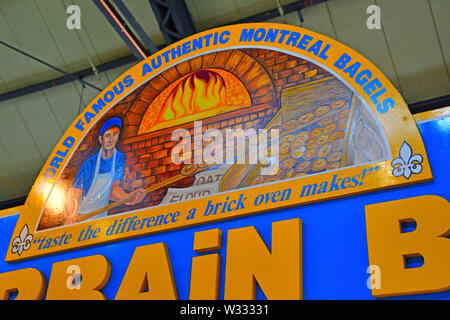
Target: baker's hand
x=71, y=211
x=72, y=219
x=136, y=196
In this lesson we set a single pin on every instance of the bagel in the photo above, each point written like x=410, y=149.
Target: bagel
x=189, y=169
x=202, y=165
x=285, y=147
x=287, y=138
x=342, y=124
x=297, y=142
x=289, y=125
x=289, y=174
x=309, y=154
x=283, y=156
x=326, y=121
x=272, y=179
x=333, y=165
x=303, y=166
x=338, y=104
x=306, y=118
x=343, y=115
x=300, y=174
x=320, y=111
x=334, y=156
x=330, y=128
x=317, y=132
x=337, y=135
x=338, y=145
x=302, y=134
x=256, y=180
x=321, y=140
x=319, y=164
x=324, y=150
x=310, y=143
x=287, y=163
x=297, y=153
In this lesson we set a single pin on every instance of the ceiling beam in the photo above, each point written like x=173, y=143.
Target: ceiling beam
x=118, y=23
x=136, y=26
x=66, y=79
x=69, y=76
x=174, y=19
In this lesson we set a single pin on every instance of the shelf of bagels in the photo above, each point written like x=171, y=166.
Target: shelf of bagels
x=313, y=124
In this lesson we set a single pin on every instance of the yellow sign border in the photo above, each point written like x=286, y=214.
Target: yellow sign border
x=10, y=211
x=432, y=114
x=397, y=123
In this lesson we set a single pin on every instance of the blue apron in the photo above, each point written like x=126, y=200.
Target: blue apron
x=98, y=195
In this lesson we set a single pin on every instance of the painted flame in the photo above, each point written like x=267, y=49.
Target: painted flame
x=195, y=95
x=205, y=92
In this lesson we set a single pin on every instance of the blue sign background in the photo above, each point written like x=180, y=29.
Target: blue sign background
x=335, y=257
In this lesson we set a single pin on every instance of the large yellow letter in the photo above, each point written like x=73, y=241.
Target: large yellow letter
x=94, y=272
x=149, y=267
x=30, y=284
x=389, y=247
x=205, y=273
x=278, y=272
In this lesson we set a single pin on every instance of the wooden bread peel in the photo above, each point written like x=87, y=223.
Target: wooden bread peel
x=148, y=190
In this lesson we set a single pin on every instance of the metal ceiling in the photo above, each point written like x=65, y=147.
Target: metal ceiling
x=412, y=49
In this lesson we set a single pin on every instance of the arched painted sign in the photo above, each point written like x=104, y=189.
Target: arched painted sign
x=159, y=148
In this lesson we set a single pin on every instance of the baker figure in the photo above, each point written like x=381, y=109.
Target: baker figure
x=98, y=180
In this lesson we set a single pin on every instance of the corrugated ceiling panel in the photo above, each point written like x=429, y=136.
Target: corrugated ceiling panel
x=20, y=146
x=10, y=186
x=105, y=79
x=415, y=49
x=41, y=121
x=117, y=72
x=207, y=14
x=3, y=87
x=291, y=19
x=317, y=19
x=90, y=94
x=249, y=8
x=28, y=32
x=107, y=42
x=67, y=42
x=349, y=20
x=441, y=11
x=65, y=101
x=15, y=69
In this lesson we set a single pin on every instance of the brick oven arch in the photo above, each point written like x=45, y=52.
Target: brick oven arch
x=247, y=69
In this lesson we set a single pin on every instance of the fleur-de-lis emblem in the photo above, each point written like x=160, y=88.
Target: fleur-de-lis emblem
x=407, y=163
x=22, y=242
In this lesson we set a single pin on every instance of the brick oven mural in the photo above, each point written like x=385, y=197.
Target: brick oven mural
x=322, y=126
